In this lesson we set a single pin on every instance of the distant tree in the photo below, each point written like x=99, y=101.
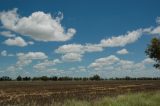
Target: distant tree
x=77, y=78
x=26, y=78
x=153, y=51
x=35, y=78
x=127, y=78
x=54, y=78
x=85, y=78
x=5, y=78
x=19, y=78
x=65, y=78
x=95, y=77
x=44, y=78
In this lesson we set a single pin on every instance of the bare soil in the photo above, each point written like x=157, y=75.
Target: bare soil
x=47, y=91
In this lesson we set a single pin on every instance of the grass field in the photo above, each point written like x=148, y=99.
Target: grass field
x=133, y=99
x=80, y=93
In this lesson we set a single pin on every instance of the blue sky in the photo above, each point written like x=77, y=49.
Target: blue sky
x=77, y=38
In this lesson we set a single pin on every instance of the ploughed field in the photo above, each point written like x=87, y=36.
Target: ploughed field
x=12, y=92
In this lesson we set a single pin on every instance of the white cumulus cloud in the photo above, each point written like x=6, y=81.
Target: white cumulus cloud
x=17, y=41
x=98, y=64
x=119, y=41
x=74, y=52
x=70, y=48
x=32, y=55
x=92, y=48
x=25, y=59
x=55, y=71
x=122, y=40
x=39, y=26
x=71, y=57
x=148, y=61
x=113, y=63
x=123, y=51
x=45, y=64
x=156, y=30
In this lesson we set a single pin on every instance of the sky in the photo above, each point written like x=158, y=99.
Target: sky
x=78, y=38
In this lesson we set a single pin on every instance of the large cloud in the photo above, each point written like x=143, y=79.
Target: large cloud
x=39, y=25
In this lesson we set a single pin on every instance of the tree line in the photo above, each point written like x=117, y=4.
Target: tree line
x=66, y=78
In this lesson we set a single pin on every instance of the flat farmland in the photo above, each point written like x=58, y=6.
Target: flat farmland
x=42, y=92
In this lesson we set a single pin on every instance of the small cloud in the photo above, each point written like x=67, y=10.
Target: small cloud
x=113, y=63
x=55, y=71
x=123, y=52
x=7, y=34
x=70, y=48
x=158, y=20
x=74, y=52
x=10, y=54
x=31, y=42
x=78, y=69
x=156, y=30
x=25, y=59
x=17, y=41
x=122, y=40
x=71, y=57
x=148, y=61
x=100, y=63
x=46, y=63
x=32, y=56
x=4, y=53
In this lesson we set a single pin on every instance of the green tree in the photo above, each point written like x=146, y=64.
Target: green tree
x=95, y=77
x=19, y=78
x=153, y=51
x=44, y=78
